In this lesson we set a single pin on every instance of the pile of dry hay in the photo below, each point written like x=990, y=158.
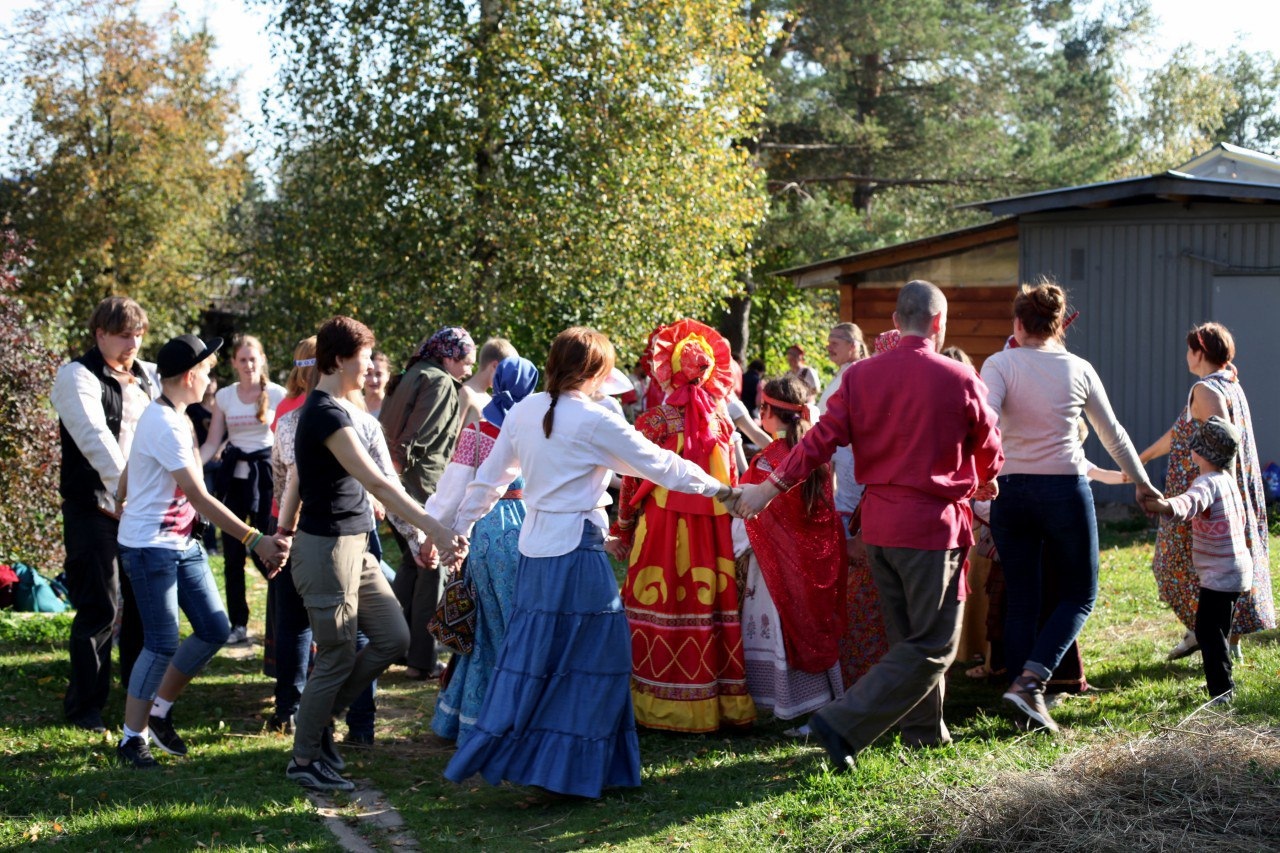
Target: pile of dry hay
x=1204, y=785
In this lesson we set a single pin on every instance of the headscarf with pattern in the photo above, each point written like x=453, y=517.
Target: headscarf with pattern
x=450, y=342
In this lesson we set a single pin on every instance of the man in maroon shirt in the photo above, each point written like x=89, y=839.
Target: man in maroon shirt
x=924, y=442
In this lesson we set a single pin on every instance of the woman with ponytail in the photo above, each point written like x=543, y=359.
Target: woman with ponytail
x=1045, y=505
x=792, y=611
x=1217, y=391
x=681, y=591
x=558, y=709
x=243, y=413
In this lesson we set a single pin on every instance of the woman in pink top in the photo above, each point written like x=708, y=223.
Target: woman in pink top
x=1045, y=505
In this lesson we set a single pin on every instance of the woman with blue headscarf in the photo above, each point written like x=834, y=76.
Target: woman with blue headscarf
x=494, y=550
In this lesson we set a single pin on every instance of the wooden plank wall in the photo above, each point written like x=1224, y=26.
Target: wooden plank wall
x=979, y=319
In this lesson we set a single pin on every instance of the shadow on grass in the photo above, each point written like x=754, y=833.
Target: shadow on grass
x=686, y=780
x=219, y=795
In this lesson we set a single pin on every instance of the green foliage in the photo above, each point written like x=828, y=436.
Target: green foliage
x=513, y=168
x=34, y=630
x=1187, y=106
x=29, y=501
x=782, y=315
x=884, y=116
x=125, y=172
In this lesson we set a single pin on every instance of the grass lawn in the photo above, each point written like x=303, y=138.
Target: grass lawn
x=762, y=790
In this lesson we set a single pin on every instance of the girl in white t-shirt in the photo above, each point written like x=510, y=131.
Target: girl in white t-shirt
x=242, y=415
x=160, y=550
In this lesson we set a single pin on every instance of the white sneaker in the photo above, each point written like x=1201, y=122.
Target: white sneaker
x=1186, y=646
x=239, y=634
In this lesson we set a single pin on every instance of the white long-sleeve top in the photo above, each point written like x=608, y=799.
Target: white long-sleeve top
x=565, y=476
x=1039, y=393
x=77, y=398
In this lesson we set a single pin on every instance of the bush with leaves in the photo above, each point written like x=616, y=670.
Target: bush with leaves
x=29, y=503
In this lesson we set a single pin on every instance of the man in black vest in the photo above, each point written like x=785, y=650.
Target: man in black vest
x=99, y=398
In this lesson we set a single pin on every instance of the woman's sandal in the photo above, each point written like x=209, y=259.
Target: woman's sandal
x=978, y=672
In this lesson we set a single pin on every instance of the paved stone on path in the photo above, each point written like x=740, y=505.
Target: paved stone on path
x=375, y=820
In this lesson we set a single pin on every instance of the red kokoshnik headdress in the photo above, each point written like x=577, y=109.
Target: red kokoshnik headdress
x=691, y=361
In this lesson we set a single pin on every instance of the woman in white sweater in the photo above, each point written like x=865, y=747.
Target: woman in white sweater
x=1045, y=504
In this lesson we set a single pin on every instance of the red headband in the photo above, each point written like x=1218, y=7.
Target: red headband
x=779, y=404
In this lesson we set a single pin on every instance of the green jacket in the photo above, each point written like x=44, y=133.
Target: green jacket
x=420, y=419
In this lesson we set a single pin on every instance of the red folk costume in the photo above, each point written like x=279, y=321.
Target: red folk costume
x=800, y=555
x=681, y=595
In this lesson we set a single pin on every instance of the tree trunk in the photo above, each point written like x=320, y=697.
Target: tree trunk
x=735, y=323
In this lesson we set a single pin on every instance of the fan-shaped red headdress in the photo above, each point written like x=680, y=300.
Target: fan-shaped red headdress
x=691, y=361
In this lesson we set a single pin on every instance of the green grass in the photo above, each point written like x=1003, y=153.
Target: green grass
x=755, y=791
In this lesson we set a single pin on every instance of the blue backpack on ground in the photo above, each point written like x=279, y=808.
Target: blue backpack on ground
x=34, y=593
x=1271, y=481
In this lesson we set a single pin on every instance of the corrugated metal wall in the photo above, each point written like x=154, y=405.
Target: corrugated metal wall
x=1129, y=273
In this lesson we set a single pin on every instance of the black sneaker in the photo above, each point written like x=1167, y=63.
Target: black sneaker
x=1027, y=695
x=328, y=751
x=318, y=775
x=838, y=749
x=165, y=736
x=90, y=721
x=134, y=751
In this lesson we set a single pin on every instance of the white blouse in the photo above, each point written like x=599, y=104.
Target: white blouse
x=566, y=475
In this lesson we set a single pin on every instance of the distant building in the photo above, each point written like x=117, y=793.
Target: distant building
x=1143, y=259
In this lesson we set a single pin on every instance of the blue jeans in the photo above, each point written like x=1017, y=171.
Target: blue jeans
x=1045, y=523
x=165, y=579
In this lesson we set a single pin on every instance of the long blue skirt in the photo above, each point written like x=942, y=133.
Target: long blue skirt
x=558, y=711
x=492, y=566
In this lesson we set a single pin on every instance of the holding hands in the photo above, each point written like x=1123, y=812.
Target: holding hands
x=987, y=491
x=749, y=501
x=617, y=548
x=274, y=552
x=454, y=551
x=1151, y=500
x=427, y=556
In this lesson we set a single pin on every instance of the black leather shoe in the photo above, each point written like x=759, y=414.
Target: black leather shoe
x=843, y=756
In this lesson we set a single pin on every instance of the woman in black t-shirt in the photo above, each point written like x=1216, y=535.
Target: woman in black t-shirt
x=339, y=584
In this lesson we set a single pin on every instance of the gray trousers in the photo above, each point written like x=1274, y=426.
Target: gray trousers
x=919, y=596
x=418, y=591
x=343, y=589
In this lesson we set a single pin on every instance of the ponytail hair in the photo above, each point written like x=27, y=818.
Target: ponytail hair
x=577, y=355
x=302, y=378
x=264, y=401
x=792, y=396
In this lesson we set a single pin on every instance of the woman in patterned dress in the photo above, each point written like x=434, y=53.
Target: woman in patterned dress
x=495, y=552
x=1210, y=349
x=681, y=592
